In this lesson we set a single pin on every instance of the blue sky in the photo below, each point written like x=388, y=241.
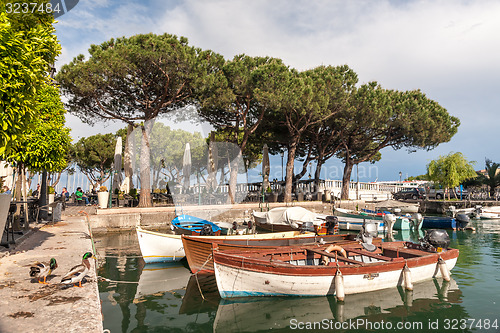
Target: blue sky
x=447, y=49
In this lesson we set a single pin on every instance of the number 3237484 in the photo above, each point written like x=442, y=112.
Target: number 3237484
x=32, y=7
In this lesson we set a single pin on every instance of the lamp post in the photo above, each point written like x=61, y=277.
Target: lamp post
x=282, y=154
x=400, y=174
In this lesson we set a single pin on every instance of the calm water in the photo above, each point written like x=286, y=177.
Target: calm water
x=166, y=298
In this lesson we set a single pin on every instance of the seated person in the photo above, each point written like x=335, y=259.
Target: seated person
x=65, y=194
x=80, y=196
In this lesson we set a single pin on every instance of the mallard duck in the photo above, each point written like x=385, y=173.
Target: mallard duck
x=41, y=270
x=77, y=273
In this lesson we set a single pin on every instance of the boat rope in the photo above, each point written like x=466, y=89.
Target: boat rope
x=101, y=278
x=206, y=261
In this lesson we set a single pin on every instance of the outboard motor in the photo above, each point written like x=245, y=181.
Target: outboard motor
x=416, y=220
x=332, y=223
x=368, y=231
x=435, y=238
x=206, y=230
x=235, y=226
x=462, y=220
x=307, y=227
x=389, y=220
x=477, y=211
x=452, y=211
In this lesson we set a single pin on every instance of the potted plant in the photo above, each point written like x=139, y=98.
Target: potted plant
x=4, y=207
x=103, y=197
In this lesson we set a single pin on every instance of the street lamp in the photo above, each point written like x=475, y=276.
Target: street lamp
x=282, y=154
x=400, y=174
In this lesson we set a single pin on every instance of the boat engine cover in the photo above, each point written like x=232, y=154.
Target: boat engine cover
x=206, y=230
x=437, y=238
x=463, y=220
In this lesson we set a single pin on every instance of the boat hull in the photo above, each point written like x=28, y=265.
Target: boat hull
x=260, y=278
x=350, y=220
x=199, y=250
x=159, y=247
x=439, y=222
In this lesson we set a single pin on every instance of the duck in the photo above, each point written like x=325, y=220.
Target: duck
x=77, y=273
x=41, y=270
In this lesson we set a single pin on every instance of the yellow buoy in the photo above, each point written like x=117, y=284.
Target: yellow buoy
x=443, y=268
x=407, y=278
x=339, y=286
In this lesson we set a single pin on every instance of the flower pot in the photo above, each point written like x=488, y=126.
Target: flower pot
x=51, y=200
x=4, y=210
x=103, y=199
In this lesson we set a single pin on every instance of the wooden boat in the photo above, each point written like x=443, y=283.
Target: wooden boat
x=198, y=250
x=353, y=220
x=192, y=225
x=163, y=247
x=296, y=271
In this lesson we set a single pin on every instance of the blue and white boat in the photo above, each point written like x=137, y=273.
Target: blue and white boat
x=194, y=226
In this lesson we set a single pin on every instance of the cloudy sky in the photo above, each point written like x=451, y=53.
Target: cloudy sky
x=450, y=50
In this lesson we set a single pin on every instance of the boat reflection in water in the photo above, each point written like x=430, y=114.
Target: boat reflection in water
x=262, y=314
x=158, y=278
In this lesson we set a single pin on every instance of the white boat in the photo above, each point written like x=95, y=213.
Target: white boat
x=162, y=247
x=299, y=272
x=287, y=218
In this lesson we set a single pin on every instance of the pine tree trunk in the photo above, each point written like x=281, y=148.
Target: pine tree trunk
x=145, y=171
x=289, y=172
x=317, y=174
x=346, y=179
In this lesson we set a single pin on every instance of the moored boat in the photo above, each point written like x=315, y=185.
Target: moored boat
x=298, y=271
x=192, y=225
x=199, y=249
x=288, y=219
x=163, y=247
x=353, y=220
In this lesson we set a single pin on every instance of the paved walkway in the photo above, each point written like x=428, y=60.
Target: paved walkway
x=31, y=307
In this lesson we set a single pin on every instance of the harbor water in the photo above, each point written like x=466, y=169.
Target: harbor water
x=167, y=298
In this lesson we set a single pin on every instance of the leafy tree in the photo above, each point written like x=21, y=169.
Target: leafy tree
x=28, y=49
x=310, y=99
x=379, y=118
x=44, y=146
x=135, y=80
x=450, y=170
x=493, y=176
x=94, y=156
x=240, y=105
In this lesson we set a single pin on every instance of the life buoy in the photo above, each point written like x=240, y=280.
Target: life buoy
x=325, y=260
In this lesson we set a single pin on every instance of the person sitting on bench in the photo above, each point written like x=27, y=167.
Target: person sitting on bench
x=80, y=197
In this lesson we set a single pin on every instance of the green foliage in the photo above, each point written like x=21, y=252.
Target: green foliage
x=94, y=156
x=28, y=48
x=419, y=177
x=51, y=190
x=45, y=145
x=450, y=170
x=492, y=178
x=103, y=189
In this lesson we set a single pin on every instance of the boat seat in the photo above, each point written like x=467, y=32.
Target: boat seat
x=369, y=254
x=334, y=255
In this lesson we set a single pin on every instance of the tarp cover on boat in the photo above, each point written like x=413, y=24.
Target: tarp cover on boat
x=293, y=216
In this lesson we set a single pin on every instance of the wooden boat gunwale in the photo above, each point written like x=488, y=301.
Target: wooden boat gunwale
x=252, y=261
